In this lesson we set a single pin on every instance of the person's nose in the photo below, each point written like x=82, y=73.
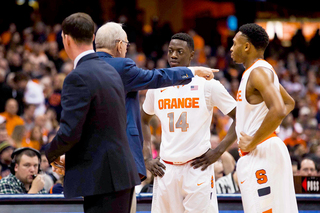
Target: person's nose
x=174, y=55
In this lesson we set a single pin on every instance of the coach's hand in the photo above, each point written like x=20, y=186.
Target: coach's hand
x=155, y=167
x=245, y=142
x=58, y=165
x=206, y=159
x=204, y=72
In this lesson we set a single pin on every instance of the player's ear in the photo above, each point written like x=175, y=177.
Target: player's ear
x=191, y=55
x=247, y=46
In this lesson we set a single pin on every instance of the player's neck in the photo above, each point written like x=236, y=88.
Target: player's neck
x=251, y=61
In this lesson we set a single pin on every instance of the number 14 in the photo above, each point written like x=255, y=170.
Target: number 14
x=181, y=123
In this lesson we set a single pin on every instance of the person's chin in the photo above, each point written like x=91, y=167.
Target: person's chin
x=174, y=64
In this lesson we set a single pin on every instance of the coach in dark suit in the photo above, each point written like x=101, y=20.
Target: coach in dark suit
x=98, y=161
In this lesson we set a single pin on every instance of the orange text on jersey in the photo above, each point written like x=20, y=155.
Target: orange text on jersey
x=177, y=103
x=239, y=98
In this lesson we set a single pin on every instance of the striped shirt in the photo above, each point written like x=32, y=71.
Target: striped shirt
x=12, y=185
x=227, y=185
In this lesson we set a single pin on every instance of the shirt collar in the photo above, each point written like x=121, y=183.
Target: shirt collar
x=80, y=56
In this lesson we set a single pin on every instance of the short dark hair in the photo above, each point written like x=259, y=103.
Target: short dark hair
x=184, y=37
x=20, y=76
x=28, y=152
x=80, y=27
x=256, y=35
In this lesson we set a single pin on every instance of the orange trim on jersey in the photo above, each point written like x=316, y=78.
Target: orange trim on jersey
x=268, y=211
x=176, y=163
x=241, y=153
x=255, y=62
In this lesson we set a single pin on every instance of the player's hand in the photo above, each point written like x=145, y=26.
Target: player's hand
x=37, y=184
x=245, y=142
x=58, y=165
x=206, y=159
x=155, y=167
x=205, y=72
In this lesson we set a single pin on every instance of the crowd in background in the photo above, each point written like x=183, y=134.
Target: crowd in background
x=33, y=66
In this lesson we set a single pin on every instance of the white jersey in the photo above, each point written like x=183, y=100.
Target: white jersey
x=185, y=113
x=250, y=116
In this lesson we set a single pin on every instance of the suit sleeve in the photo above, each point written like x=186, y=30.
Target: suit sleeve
x=135, y=78
x=75, y=101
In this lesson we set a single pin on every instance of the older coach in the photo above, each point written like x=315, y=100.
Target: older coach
x=111, y=46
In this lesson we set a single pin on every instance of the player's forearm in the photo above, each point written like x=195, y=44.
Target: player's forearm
x=229, y=139
x=147, y=151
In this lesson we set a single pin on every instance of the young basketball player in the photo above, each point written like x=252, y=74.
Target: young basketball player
x=264, y=169
x=185, y=113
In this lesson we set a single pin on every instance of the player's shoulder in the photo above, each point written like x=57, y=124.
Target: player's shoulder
x=213, y=83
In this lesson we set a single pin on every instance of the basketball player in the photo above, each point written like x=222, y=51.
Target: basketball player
x=264, y=169
x=185, y=113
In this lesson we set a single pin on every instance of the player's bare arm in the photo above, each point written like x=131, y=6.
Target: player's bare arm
x=260, y=87
x=287, y=99
x=212, y=155
x=153, y=165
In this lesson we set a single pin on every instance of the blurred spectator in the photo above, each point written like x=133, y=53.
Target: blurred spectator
x=308, y=167
x=228, y=184
x=51, y=120
x=5, y=158
x=218, y=170
x=53, y=55
x=49, y=176
x=10, y=113
x=8, y=90
x=199, y=43
x=19, y=135
x=33, y=93
x=67, y=67
x=295, y=138
x=15, y=61
x=35, y=141
x=28, y=116
x=304, y=117
x=286, y=127
x=54, y=100
x=3, y=130
x=41, y=121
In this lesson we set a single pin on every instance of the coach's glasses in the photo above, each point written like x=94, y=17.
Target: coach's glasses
x=126, y=42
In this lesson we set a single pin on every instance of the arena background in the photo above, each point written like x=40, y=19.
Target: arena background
x=293, y=28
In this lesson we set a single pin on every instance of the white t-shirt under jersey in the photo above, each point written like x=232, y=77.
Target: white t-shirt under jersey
x=185, y=113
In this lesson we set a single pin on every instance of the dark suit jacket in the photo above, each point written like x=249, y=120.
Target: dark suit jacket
x=135, y=79
x=93, y=131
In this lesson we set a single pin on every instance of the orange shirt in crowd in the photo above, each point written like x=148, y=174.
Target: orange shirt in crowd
x=12, y=121
x=292, y=142
x=31, y=143
x=199, y=46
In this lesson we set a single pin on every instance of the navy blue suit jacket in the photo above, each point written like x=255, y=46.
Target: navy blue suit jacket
x=135, y=79
x=93, y=131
